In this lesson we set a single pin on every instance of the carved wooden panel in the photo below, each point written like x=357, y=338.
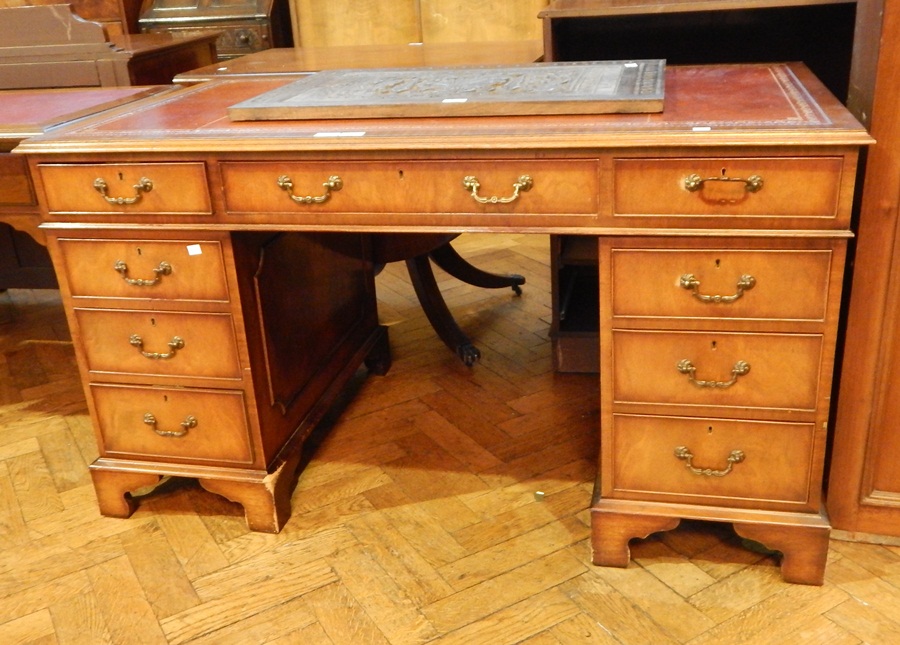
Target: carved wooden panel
x=552, y=88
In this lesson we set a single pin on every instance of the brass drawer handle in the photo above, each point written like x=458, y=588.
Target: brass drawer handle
x=164, y=268
x=189, y=422
x=144, y=185
x=472, y=184
x=334, y=183
x=752, y=184
x=174, y=345
x=684, y=453
x=691, y=283
x=740, y=368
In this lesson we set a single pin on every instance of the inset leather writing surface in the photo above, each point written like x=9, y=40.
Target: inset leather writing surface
x=715, y=105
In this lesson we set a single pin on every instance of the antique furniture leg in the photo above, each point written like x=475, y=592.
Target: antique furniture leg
x=800, y=538
x=436, y=310
x=267, y=501
x=416, y=249
x=611, y=532
x=114, y=490
x=378, y=360
x=804, y=549
x=446, y=257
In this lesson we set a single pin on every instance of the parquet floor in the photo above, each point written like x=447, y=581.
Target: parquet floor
x=444, y=504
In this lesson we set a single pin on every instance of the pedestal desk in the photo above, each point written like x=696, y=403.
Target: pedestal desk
x=214, y=315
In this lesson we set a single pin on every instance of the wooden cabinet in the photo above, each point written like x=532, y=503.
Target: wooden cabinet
x=716, y=361
x=352, y=22
x=50, y=47
x=240, y=27
x=117, y=16
x=864, y=483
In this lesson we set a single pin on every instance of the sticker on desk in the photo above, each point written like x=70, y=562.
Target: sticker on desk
x=194, y=249
x=351, y=133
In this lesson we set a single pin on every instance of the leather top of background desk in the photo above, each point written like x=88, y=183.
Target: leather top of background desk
x=305, y=60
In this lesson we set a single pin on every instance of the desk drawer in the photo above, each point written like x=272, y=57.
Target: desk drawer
x=794, y=187
x=774, y=463
x=126, y=188
x=732, y=284
x=159, y=343
x=189, y=270
x=771, y=371
x=557, y=186
x=151, y=423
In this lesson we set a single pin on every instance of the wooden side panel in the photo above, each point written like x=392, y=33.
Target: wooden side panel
x=309, y=302
x=864, y=484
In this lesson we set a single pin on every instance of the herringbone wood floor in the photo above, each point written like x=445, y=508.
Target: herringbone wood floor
x=443, y=504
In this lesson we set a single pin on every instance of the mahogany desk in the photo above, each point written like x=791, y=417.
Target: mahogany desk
x=721, y=223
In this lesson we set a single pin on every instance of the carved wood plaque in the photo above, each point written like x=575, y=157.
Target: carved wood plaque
x=600, y=87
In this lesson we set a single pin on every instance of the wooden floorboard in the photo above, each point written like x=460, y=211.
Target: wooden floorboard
x=439, y=504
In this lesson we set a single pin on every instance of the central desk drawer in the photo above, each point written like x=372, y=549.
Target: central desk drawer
x=159, y=343
x=796, y=187
x=126, y=188
x=188, y=270
x=152, y=423
x=506, y=186
x=754, y=462
x=717, y=369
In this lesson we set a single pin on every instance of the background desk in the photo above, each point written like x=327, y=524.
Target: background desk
x=216, y=249
x=306, y=60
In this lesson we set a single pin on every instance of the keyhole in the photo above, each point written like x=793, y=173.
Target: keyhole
x=139, y=252
x=153, y=322
x=723, y=172
x=400, y=174
x=718, y=263
x=121, y=176
x=713, y=346
x=709, y=430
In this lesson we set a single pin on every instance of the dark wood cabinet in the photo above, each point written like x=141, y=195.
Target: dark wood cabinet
x=243, y=26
